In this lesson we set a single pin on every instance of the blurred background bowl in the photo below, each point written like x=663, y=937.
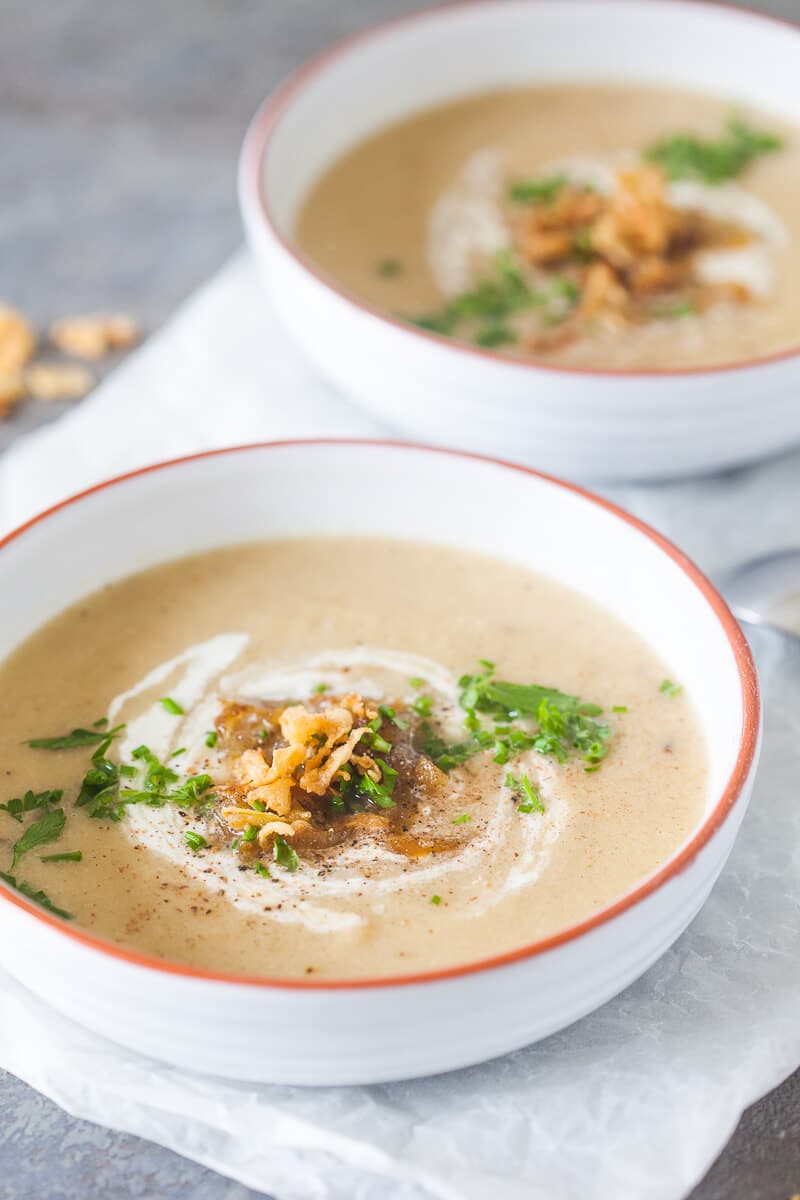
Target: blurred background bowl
x=578, y=422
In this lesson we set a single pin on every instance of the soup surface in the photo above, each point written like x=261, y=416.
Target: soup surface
x=594, y=226
x=339, y=757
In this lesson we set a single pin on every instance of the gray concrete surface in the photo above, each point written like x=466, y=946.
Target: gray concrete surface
x=120, y=125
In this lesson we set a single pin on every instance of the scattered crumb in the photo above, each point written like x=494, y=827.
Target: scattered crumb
x=17, y=339
x=94, y=335
x=58, y=381
x=12, y=390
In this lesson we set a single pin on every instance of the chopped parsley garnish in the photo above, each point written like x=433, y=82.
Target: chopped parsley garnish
x=555, y=723
x=686, y=156
x=48, y=828
x=38, y=897
x=195, y=841
x=462, y=820
x=77, y=737
x=676, y=311
x=495, y=333
x=417, y=682
x=436, y=900
x=101, y=794
x=536, y=191
x=67, y=856
x=260, y=869
x=619, y=708
x=171, y=706
x=389, y=268
x=211, y=739
x=492, y=303
x=669, y=688
x=523, y=788
x=99, y=790
x=320, y=688
x=31, y=801
x=177, y=753
x=285, y=855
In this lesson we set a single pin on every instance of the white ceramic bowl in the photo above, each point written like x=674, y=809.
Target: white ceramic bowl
x=581, y=423
x=390, y=1028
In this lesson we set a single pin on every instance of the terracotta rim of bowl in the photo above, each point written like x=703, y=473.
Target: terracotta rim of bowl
x=748, y=742
x=268, y=116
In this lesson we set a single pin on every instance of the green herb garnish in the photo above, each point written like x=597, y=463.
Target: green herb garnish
x=285, y=855
x=320, y=688
x=250, y=834
x=47, y=829
x=211, y=738
x=619, y=708
x=31, y=801
x=195, y=841
x=524, y=788
x=417, y=682
x=423, y=706
x=686, y=156
x=389, y=268
x=67, y=856
x=436, y=900
x=260, y=869
x=495, y=333
x=462, y=820
x=669, y=688
x=76, y=737
x=34, y=894
x=526, y=717
x=537, y=191
x=171, y=706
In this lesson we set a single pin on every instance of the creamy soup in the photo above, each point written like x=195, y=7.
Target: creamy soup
x=612, y=226
x=340, y=758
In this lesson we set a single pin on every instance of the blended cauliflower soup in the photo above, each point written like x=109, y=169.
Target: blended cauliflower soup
x=338, y=758
x=611, y=226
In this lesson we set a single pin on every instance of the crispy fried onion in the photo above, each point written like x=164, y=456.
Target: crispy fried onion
x=635, y=246
x=318, y=744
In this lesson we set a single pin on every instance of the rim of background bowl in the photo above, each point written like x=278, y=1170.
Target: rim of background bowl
x=748, y=742
x=268, y=116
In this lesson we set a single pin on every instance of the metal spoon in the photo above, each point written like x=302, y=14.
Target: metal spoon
x=760, y=590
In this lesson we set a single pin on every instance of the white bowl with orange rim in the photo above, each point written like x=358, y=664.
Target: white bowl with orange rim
x=378, y=1029
x=636, y=424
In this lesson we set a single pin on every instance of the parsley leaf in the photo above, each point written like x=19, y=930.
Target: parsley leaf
x=285, y=855
x=523, y=788
x=67, y=856
x=77, y=737
x=47, y=829
x=686, y=156
x=38, y=897
x=31, y=801
x=536, y=191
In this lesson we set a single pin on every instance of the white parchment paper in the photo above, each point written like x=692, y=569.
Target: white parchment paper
x=636, y=1100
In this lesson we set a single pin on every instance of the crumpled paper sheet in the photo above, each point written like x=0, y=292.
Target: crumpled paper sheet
x=634, y=1101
